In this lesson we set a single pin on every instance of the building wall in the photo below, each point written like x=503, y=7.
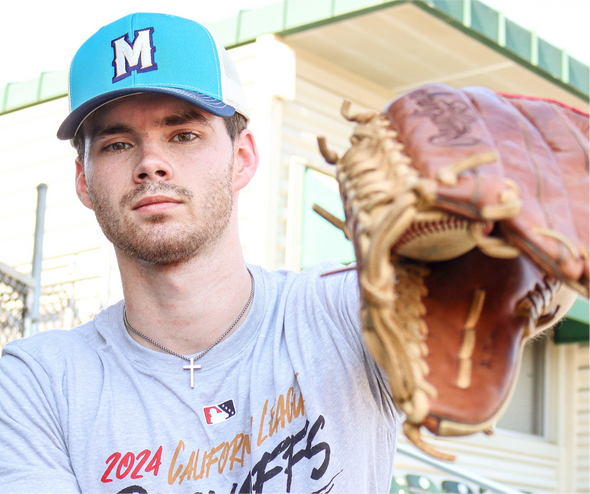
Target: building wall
x=582, y=409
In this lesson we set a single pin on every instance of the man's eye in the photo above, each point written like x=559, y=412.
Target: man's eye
x=184, y=137
x=118, y=146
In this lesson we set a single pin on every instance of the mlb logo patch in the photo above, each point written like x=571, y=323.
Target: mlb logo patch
x=219, y=413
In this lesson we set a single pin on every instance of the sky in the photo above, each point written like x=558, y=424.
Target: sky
x=45, y=38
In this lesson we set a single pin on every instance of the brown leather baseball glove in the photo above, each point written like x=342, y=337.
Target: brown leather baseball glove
x=468, y=211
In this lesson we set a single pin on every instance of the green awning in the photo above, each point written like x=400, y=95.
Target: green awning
x=574, y=328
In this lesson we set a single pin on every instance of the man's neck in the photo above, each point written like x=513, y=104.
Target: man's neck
x=185, y=307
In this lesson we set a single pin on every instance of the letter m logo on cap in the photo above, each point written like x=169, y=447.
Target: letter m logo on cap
x=139, y=56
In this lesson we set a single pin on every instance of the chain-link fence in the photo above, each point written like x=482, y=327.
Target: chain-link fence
x=63, y=305
x=14, y=296
x=58, y=307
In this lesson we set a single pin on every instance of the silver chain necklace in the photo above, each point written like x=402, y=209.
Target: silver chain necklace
x=192, y=367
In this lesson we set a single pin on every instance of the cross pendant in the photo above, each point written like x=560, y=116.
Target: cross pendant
x=191, y=367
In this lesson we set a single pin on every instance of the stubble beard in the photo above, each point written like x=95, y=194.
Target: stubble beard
x=159, y=240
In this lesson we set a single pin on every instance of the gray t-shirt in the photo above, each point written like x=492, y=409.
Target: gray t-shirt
x=290, y=402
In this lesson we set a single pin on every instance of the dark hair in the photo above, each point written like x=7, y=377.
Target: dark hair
x=234, y=125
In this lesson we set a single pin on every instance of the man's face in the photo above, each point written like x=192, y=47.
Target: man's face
x=159, y=174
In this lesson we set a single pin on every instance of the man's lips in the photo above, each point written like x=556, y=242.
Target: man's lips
x=155, y=203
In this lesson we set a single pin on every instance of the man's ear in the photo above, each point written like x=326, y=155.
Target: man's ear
x=246, y=159
x=81, y=185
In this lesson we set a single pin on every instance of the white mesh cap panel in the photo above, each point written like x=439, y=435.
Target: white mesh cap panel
x=231, y=87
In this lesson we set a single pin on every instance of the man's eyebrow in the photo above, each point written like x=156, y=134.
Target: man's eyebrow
x=184, y=117
x=109, y=130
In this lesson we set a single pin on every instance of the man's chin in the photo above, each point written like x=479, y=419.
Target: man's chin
x=164, y=246
x=161, y=255
x=157, y=219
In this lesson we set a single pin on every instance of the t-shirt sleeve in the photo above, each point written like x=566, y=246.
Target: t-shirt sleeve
x=33, y=450
x=341, y=295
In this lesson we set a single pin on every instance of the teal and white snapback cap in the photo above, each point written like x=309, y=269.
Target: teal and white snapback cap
x=152, y=53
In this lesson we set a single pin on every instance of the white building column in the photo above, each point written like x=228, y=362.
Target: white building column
x=269, y=79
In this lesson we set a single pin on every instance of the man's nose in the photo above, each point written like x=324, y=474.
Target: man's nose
x=152, y=165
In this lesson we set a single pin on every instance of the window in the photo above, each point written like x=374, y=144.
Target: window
x=320, y=239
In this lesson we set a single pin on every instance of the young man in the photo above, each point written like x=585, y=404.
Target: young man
x=211, y=375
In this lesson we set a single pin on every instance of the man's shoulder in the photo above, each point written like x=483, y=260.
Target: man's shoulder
x=328, y=285
x=52, y=342
x=286, y=277
x=326, y=279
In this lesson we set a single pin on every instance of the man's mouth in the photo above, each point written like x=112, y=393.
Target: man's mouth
x=156, y=204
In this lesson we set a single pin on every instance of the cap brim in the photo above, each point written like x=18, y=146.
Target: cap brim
x=72, y=123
